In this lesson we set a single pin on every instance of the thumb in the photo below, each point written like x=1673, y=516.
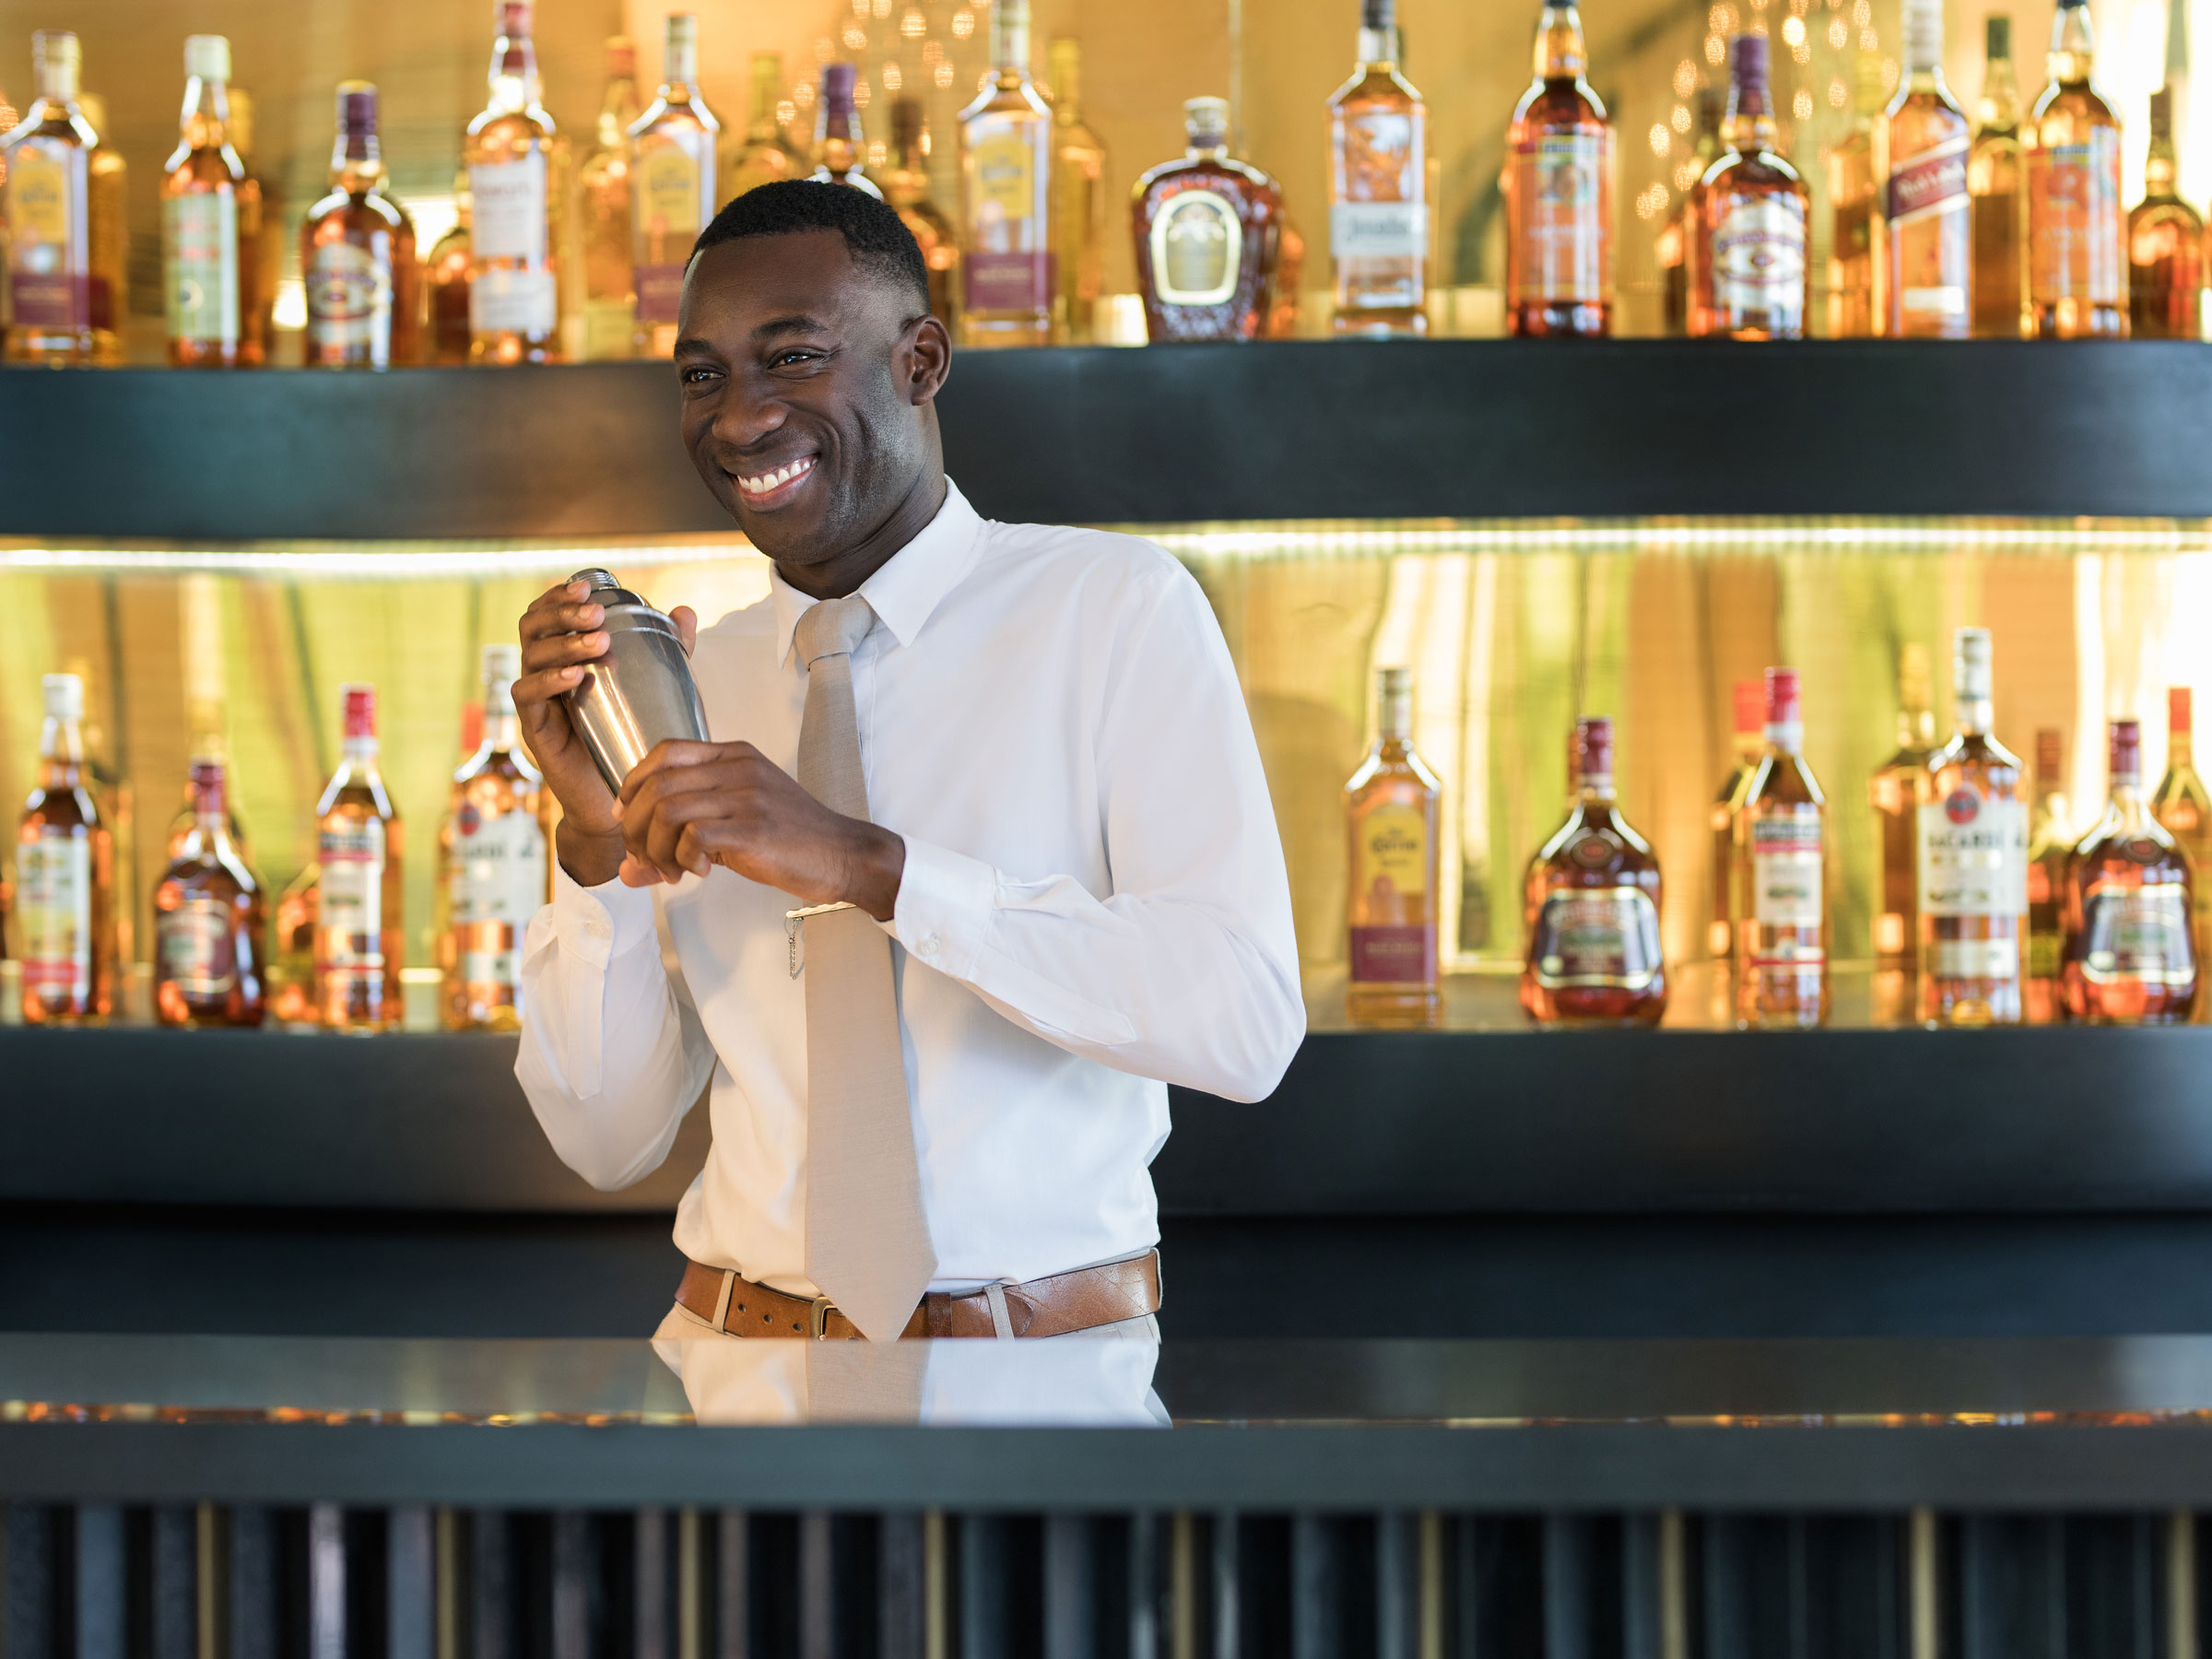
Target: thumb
x=687, y=626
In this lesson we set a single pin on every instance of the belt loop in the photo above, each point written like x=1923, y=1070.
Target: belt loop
x=1001, y=1326
x=721, y=1299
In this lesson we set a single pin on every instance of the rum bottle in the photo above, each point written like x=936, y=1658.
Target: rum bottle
x=1078, y=205
x=447, y=278
x=66, y=874
x=1781, y=942
x=2077, y=225
x=2131, y=956
x=1973, y=860
x=1379, y=188
x=108, y=211
x=2051, y=838
x=672, y=149
x=207, y=920
x=906, y=186
x=356, y=255
x=1895, y=793
x=493, y=855
x=1558, y=191
x=513, y=298
x=1592, y=897
x=358, y=932
x=1006, y=197
x=1858, y=259
x=199, y=216
x=1921, y=145
x=1748, y=222
x=2183, y=806
x=48, y=157
x=1207, y=231
x=603, y=199
x=2165, y=243
x=1749, y=740
x=1390, y=808
x=1993, y=179
x=764, y=154
x=840, y=153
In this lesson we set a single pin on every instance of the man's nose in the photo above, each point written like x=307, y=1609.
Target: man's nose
x=743, y=416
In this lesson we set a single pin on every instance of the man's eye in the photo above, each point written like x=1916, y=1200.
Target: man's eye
x=781, y=358
x=696, y=375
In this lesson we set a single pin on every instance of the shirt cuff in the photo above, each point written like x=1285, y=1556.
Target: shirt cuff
x=611, y=916
x=946, y=905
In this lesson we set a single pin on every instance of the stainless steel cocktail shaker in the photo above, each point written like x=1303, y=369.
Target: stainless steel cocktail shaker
x=641, y=692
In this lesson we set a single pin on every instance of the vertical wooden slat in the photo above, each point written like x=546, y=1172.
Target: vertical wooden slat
x=936, y=1587
x=172, y=1622
x=571, y=1584
x=1182, y=1586
x=1643, y=1590
x=1068, y=1615
x=690, y=1585
x=1397, y=1586
x=902, y=1592
x=1923, y=1610
x=211, y=1573
x=817, y=1587
x=99, y=1581
x=30, y=1617
x=732, y=1604
x=2180, y=1585
x=252, y=1602
x=1568, y=1588
x=1144, y=1586
x=1431, y=1634
x=1316, y=1589
x=326, y=1582
x=492, y=1580
x=411, y=1583
x=450, y=1572
x=1228, y=1611
x=648, y=1554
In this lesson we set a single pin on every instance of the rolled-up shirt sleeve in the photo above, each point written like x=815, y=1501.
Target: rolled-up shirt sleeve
x=611, y=1057
x=1187, y=969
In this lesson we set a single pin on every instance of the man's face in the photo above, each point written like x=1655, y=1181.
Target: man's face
x=804, y=405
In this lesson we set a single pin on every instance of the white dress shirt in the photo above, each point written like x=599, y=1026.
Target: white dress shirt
x=1094, y=906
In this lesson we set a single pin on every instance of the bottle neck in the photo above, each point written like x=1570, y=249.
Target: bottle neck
x=1378, y=48
x=503, y=729
x=618, y=111
x=62, y=748
x=1560, y=54
x=513, y=76
x=1785, y=737
x=2161, y=167
x=1010, y=42
x=1915, y=728
x=1596, y=789
x=358, y=753
x=1068, y=85
x=206, y=114
x=2000, y=97
x=356, y=164
x=1750, y=124
x=57, y=85
x=680, y=71
x=1923, y=39
x=2073, y=46
x=767, y=92
x=2128, y=804
x=1976, y=715
x=2179, y=751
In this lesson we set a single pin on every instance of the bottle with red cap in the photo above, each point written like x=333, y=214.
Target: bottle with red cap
x=207, y=920
x=1782, y=938
x=2130, y=959
x=1593, y=908
x=1748, y=740
x=359, y=930
x=2183, y=806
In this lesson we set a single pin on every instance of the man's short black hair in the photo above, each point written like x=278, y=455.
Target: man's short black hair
x=874, y=233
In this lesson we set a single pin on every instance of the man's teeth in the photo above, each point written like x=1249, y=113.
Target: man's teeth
x=783, y=475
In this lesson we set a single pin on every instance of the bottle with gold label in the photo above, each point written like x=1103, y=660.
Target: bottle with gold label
x=48, y=157
x=199, y=216
x=1208, y=235
x=1005, y=196
x=1592, y=907
x=1390, y=808
x=207, y=920
x=492, y=852
x=672, y=148
x=1079, y=197
x=603, y=201
x=764, y=153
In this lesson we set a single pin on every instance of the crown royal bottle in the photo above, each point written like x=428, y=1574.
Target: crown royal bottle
x=1207, y=229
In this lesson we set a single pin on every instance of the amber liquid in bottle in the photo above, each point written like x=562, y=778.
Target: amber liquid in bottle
x=1858, y=255
x=907, y=188
x=1673, y=241
x=260, y=243
x=199, y=216
x=1207, y=230
x=1390, y=807
x=514, y=297
x=108, y=184
x=603, y=200
x=1921, y=144
x=492, y=858
x=2051, y=838
x=359, y=935
x=1973, y=862
x=1781, y=870
x=2076, y=227
x=1078, y=200
x=65, y=876
x=1592, y=897
x=207, y=922
x=48, y=160
x=356, y=255
x=446, y=277
x=1005, y=196
x=1379, y=188
x=2165, y=243
x=1558, y=191
x=1750, y=741
x=672, y=152
x=1747, y=221
x=1894, y=793
x=1994, y=170
x=764, y=154
x=2131, y=952
x=2184, y=809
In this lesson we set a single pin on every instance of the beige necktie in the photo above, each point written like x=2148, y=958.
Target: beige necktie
x=867, y=1245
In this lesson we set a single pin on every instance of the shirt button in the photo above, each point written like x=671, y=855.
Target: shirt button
x=926, y=944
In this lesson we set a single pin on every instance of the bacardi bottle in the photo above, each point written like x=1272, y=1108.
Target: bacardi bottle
x=2131, y=957
x=1078, y=199
x=671, y=171
x=1390, y=807
x=603, y=201
x=2165, y=241
x=1379, y=188
x=1921, y=145
x=360, y=939
x=207, y=920
x=1973, y=860
x=1781, y=942
x=765, y=154
x=1895, y=794
x=66, y=874
x=1006, y=196
x=1747, y=221
x=1208, y=232
x=48, y=157
x=2051, y=838
x=840, y=151
x=2184, y=809
x=1593, y=908
x=1558, y=191
x=513, y=298
x=2076, y=224
x=199, y=214
x=356, y=255
x=1994, y=170
x=1748, y=742
x=493, y=853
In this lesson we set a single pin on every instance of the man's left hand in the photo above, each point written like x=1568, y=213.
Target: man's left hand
x=690, y=805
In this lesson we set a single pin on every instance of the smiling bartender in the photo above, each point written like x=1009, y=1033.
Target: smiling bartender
x=1016, y=762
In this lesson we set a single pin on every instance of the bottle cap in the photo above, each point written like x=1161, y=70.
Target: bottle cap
x=1750, y=706
x=503, y=662
x=513, y=18
x=357, y=107
x=207, y=774
x=2162, y=114
x=906, y=124
x=207, y=57
x=621, y=58
x=2127, y=751
x=837, y=86
x=1783, y=703
x=65, y=696
x=1207, y=122
x=683, y=30
x=1395, y=682
x=1924, y=34
x=1970, y=664
x=2177, y=711
x=1381, y=15
x=1749, y=64
x=1996, y=35
x=1593, y=738
x=680, y=52
x=360, y=704
x=54, y=60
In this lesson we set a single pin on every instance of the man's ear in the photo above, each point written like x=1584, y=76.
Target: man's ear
x=923, y=358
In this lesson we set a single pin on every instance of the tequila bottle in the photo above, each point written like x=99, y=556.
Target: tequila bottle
x=1748, y=219
x=672, y=184
x=1781, y=940
x=1558, y=191
x=2051, y=838
x=2131, y=957
x=2076, y=226
x=1921, y=144
x=66, y=874
x=1006, y=143
x=1390, y=808
x=493, y=855
x=1992, y=181
x=360, y=939
x=1079, y=199
x=356, y=255
x=207, y=920
x=1379, y=188
x=513, y=295
x=1593, y=895
x=2165, y=239
x=1973, y=860
x=603, y=199
x=199, y=216
x=48, y=162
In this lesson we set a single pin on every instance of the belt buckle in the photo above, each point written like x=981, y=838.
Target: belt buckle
x=818, y=1319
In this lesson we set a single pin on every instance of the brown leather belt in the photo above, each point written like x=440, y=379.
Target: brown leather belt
x=1045, y=1307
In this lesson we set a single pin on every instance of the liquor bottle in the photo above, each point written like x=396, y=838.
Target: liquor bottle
x=1781, y=942
x=260, y=242
x=358, y=932
x=906, y=187
x=2183, y=806
x=1006, y=197
x=356, y=255
x=1378, y=188
x=514, y=297
x=1894, y=792
x=840, y=151
x=1290, y=266
x=1749, y=741
x=108, y=224
x=1593, y=908
x=207, y=920
x=1674, y=239
x=1079, y=199
x=602, y=198
x=1858, y=259
x=1921, y=143
x=2165, y=241
x=64, y=874
x=2051, y=838
x=1973, y=860
x=763, y=155
x=2076, y=226
x=494, y=870
x=1746, y=251
x=1558, y=191
x=1207, y=230
x=2131, y=956
x=672, y=172
x=48, y=156
x=1390, y=807
x=199, y=216
x=446, y=274
x=1993, y=181
x=291, y=957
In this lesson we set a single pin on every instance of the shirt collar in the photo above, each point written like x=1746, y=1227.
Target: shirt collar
x=908, y=588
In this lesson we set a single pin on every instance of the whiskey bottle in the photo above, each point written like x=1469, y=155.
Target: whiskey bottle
x=356, y=255
x=603, y=201
x=207, y=920
x=1921, y=145
x=199, y=216
x=906, y=186
x=1558, y=191
x=2051, y=838
x=260, y=242
x=1781, y=942
x=358, y=934
x=1006, y=197
x=64, y=874
x=1894, y=792
x=1674, y=238
x=2165, y=241
x=1747, y=244
x=2183, y=806
x=1973, y=860
x=1078, y=205
x=109, y=221
x=763, y=155
x=1592, y=897
x=1390, y=807
x=493, y=855
x=2076, y=226
x=841, y=152
x=1992, y=181
x=1379, y=188
x=2130, y=959
x=1749, y=741
x=49, y=250
x=513, y=295
x=1858, y=259
x=672, y=172
x=1207, y=229
x=446, y=277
